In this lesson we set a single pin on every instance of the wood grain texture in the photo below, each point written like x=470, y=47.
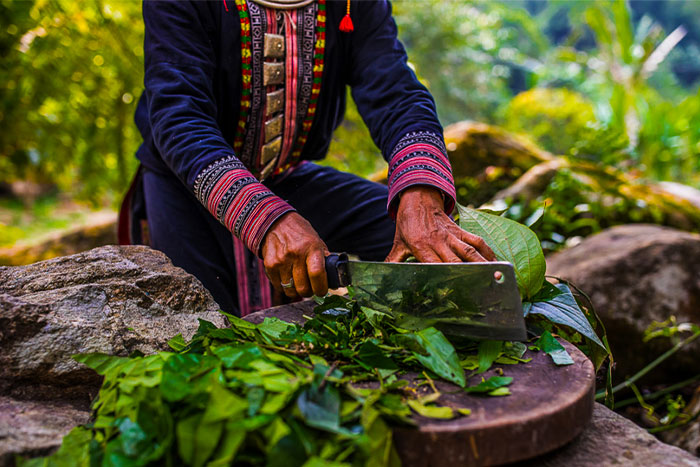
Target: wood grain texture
x=548, y=407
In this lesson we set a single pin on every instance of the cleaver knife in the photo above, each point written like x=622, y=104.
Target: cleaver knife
x=476, y=300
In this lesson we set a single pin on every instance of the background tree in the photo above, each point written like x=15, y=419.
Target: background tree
x=73, y=73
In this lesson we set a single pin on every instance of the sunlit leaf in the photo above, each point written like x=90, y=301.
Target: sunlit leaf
x=511, y=242
x=434, y=351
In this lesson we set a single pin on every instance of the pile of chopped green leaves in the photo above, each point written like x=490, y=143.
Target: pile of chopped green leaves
x=277, y=393
x=323, y=393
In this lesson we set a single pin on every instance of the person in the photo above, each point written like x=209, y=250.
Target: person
x=240, y=97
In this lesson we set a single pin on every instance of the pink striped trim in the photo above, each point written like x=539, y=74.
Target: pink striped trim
x=222, y=186
x=291, y=70
x=260, y=220
x=241, y=277
x=258, y=206
x=421, y=147
x=423, y=162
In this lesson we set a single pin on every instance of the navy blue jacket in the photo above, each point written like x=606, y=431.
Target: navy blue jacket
x=190, y=107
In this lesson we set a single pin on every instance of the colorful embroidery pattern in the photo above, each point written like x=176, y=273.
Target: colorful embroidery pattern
x=305, y=46
x=420, y=158
x=246, y=72
x=319, y=53
x=227, y=187
x=241, y=203
x=250, y=151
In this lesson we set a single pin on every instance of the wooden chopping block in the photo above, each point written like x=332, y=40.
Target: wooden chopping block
x=549, y=406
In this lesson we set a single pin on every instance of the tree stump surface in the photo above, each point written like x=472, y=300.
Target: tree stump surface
x=548, y=407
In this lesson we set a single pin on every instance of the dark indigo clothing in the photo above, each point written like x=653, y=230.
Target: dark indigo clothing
x=188, y=112
x=347, y=211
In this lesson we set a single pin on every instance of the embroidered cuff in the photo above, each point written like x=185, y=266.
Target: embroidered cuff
x=245, y=206
x=420, y=158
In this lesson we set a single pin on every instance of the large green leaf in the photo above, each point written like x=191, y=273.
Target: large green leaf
x=372, y=355
x=196, y=439
x=100, y=362
x=558, y=305
x=435, y=352
x=511, y=242
x=320, y=408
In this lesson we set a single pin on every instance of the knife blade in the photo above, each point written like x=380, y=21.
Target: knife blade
x=475, y=300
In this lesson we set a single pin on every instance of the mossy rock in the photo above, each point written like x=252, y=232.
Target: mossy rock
x=474, y=146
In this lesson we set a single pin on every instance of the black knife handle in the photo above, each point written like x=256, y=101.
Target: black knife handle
x=337, y=270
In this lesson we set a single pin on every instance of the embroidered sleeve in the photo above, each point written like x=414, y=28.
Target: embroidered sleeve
x=241, y=203
x=420, y=158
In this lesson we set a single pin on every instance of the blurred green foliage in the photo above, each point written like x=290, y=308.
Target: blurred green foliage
x=20, y=220
x=597, y=82
x=72, y=72
x=556, y=118
x=469, y=53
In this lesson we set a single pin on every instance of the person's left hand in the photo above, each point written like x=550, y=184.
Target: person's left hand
x=424, y=230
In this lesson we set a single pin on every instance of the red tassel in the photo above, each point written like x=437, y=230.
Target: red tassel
x=346, y=24
x=225, y=6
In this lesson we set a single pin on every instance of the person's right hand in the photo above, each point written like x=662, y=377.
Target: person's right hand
x=293, y=253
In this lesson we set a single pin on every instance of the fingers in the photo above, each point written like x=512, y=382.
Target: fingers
x=478, y=243
x=465, y=251
x=426, y=255
x=302, y=285
x=274, y=275
x=399, y=253
x=448, y=254
x=316, y=269
x=294, y=254
x=309, y=274
x=289, y=277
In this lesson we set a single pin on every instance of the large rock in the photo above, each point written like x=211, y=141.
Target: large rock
x=634, y=275
x=114, y=300
x=31, y=428
x=473, y=146
x=611, y=439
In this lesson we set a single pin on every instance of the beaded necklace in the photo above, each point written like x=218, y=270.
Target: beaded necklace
x=246, y=72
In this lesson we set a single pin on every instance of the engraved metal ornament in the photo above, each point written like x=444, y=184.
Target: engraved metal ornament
x=275, y=101
x=273, y=74
x=268, y=169
x=271, y=150
x=273, y=128
x=274, y=46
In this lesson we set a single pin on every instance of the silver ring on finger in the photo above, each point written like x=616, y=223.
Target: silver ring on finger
x=288, y=285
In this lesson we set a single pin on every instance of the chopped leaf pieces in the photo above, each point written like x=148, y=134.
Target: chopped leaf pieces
x=276, y=393
x=549, y=345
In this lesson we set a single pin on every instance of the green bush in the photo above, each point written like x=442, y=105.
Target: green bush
x=557, y=119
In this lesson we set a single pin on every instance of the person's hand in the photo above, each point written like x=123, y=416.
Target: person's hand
x=424, y=230
x=295, y=257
